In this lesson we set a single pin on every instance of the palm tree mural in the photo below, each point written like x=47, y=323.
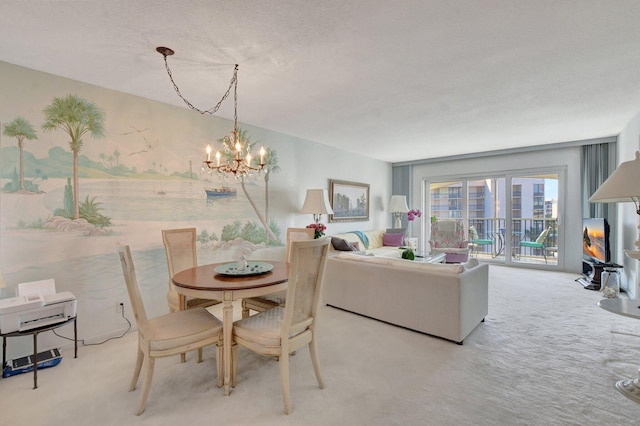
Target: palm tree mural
x=21, y=129
x=227, y=153
x=76, y=117
x=271, y=166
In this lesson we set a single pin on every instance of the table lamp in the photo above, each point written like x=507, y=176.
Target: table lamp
x=398, y=206
x=317, y=203
x=623, y=186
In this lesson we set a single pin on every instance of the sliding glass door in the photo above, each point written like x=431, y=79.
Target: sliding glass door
x=534, y=218
x=486, y=217
x=512, y=219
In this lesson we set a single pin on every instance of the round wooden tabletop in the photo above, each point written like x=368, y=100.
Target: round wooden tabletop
x=205, y=278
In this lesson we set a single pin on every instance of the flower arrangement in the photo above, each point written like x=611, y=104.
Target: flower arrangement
x=412, y=214
x=318, y=229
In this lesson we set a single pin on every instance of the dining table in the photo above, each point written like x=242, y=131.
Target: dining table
x=226, y=282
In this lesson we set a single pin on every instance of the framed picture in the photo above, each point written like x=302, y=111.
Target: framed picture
x=349, y=201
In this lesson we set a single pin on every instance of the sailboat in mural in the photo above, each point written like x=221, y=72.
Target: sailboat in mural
x=225, y=191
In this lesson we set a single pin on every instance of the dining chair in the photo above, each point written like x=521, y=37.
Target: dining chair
x=281, y=330
x=262, y=303
x=180, y=248
x=170, y=334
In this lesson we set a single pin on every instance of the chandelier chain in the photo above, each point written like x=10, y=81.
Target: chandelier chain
x=240, y=166
x=232, y=83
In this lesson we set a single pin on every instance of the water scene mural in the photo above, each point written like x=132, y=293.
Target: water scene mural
x=66, y=206
x=84, y=169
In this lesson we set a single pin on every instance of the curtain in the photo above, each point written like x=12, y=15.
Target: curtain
x=598, y=162
x=402, y=185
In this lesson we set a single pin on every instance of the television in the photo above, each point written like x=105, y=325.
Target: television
x=595, y=240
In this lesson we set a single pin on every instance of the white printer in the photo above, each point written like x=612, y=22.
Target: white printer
x=36, y=305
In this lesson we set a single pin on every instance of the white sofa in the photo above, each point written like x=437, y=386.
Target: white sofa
x=369, y=242
x=447, y=301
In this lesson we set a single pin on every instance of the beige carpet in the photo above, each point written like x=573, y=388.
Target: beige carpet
x=545, y=355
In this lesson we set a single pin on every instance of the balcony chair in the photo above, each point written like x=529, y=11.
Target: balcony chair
x=282, y=330
x=167, y=335
x=475, y=242
x=448, y=237
x=539, y=243
x=262, y=303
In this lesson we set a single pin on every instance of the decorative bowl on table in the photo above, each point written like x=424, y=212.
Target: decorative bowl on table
x=251, y=268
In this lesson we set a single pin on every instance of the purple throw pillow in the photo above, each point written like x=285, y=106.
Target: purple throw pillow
x=392, y=240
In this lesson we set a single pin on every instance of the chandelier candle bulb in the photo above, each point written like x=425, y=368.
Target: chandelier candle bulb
x=262, y=153
x=248, y=159
x=218, y=155
x=208, y=152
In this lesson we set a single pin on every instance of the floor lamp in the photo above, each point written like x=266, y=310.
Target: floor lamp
x=623, y=186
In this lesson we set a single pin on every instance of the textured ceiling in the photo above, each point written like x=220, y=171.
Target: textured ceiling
x=393, y=80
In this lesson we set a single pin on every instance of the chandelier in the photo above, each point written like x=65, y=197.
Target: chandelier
x=236, y=159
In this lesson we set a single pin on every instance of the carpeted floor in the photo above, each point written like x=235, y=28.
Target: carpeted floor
x=546, y=355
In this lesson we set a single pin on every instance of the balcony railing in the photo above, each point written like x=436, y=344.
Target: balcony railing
x=522, y=229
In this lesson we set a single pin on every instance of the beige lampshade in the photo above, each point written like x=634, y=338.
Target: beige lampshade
x=398, y=204
x=317, y=202
x=623, y=185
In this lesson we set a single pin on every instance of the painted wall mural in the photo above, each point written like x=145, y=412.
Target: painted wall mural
x=83, y=169
x=76, y=182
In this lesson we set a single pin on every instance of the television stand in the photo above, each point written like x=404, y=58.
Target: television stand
x=593, y=273
x=588, y=284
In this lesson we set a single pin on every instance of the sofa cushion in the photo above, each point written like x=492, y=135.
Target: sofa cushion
x=392, y=240
x=374, y=239
x=350, y=237
x=341, y=244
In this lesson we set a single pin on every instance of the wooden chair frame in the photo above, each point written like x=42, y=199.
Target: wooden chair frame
x=297, y=319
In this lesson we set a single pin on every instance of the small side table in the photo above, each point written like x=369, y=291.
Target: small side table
x=628, y=308
x=35, y=332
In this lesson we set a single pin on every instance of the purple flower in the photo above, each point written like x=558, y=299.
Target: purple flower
x=412, y=214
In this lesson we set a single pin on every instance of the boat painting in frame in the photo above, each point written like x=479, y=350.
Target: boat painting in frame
x=349, y=201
